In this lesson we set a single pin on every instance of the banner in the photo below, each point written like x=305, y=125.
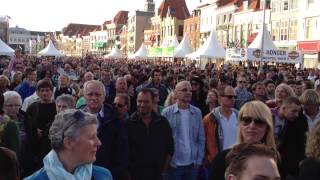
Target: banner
x=236, y=54
x=277, y=56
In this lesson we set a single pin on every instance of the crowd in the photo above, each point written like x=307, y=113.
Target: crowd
x=94, y=118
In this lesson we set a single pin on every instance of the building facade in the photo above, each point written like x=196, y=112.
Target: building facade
x=192, y=28
x=207, y=20
x=4, y=28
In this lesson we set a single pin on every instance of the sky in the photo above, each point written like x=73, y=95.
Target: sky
x=52, y=15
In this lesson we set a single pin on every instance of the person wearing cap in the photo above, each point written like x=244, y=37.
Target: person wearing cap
x=74, y=142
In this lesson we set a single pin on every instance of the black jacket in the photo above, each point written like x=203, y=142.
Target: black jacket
x=309, y=169
x=112, y=154
x=148, y=147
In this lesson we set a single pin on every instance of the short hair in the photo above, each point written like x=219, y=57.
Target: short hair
x=154, y=71
x=313, y=142
x=96, y=82
x=5, y=78
x=236, y=159
x=9, y=166
x=67, y=124
x=44, y=83
x=268, y=81
x=147, y=91
x=290, y=100
x=289, y=91
x=126, y=99
x=258, y=109
x=28, y=71
x=12, y=94
x=255, y=85
x=222, y=89
x=182, y=83
x=68, y=99
x=310, y=96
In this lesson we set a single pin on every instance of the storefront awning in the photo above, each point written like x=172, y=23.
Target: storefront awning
x=309, y=46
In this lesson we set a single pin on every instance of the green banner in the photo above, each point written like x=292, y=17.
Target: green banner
x=168, y=51
x=156, y=52
x=100, y=44
x=161, y=52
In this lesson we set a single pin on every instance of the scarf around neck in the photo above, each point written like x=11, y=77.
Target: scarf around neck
x=56, y=171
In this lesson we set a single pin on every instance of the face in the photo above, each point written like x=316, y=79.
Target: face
x=311, y=108
x=105, y=76
x=88, y=77
x=195, y=86
x=63, y=81
x=121, y=86
x=121, y=105
x=280, y=94
x=45, y=94
x=33, y=76
x=228, y=99
x=183, y=93
x=157, y=77
x=94, y=96
x=241, y=82
x=291, y=111
x=211, y=97
x=85, y=146
x=144, y=104
x=252, y=128
x=270, y=88
x=61, y=106
x=260, y=90
x=259, y=168
x=298, y=90
x=11, y=107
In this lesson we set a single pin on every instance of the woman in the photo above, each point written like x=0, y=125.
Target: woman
x=74, y=143
x=281, y=93
x=198, y=93
x=170, y=100
x=64, y=102
x=16, y=80
x=310, y=167
x=211, y=101
x=63, y=87
x=4, y=83
x=255, y=125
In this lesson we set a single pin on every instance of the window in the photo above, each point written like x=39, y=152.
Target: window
x=285, y=5
x=293, y=29
x=284, y=31
x=309, y=28
x=180, y=30
x=275, y=31
x=310, y=3
x=293, y=4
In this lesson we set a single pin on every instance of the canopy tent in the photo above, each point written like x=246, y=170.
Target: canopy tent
x=50, y=50
x=141, y=53
x=271, y=53
x=5, y=49
x=115, y=53
x=183, y=48
x=210, y=49
x=174, y=43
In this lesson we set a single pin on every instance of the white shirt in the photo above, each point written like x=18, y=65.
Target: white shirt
x=229, y=128
x=312, y=121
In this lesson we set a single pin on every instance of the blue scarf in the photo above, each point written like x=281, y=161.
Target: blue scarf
x=56, y=171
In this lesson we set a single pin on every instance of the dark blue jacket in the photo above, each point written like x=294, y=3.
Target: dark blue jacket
x=113, y=152
x=25, y=90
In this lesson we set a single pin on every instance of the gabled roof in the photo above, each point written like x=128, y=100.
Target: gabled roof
x=176, y=8
x=121, y=17
x=75, y=29
x=252, y=4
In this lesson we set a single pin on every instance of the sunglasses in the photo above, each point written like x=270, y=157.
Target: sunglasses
x=230, y=96
x=248, y=120
x=243, y=82
x=118, y=105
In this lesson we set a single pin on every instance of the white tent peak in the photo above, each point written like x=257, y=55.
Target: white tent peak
x=174, y=43
x=266, y=40
x=5, y=49
x=142, y=52
x=50, y=50
x=183, y=48
x=115, y=53
x=211, y=48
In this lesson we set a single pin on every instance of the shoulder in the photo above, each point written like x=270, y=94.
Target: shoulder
x=38, y=175
x=100, y=173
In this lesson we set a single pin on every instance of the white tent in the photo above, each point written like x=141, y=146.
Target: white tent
x=183, y=48
x=267, y=41
x=5, y=49
x=50, y=50
x=174, y=43
x=141, y=53
x=115, y=53
x=210, y=49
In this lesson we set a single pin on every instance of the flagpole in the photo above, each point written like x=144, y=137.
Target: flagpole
x=263, y=23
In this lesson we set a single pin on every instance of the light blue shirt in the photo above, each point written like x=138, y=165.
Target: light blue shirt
x=196, y=134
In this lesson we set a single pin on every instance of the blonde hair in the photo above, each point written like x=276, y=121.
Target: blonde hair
x=170, y=99
x=310, y=96
x=313, y=142
x=258, y=109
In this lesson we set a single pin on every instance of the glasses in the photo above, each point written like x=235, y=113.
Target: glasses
x=242, y=82
x=230, y=96
x=118, y=105
x=78, y=117
x=94, y=94
x=248, y=120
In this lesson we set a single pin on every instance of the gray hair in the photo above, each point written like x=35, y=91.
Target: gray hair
x=12, y=94
x=68, y=123
x=68, y=99
x=96, y=82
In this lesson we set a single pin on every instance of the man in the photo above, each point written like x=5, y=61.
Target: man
x=298, y=88
x=112, y=154
x=39, y=117
x=122, y=104
x=220, y=125
x=121, y=87
x=243, y=95
x=156, y=83
x=270, y=88
x=252, y=161
x=259, y=92
x=186, y=124
x=290, y=133
x=28, y=86
x=150, y=140
x=106, y=79
x=310, y=104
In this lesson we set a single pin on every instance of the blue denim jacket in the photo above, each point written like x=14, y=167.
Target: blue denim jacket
x=197, y=136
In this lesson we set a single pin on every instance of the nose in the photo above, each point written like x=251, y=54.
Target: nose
x=98, y=142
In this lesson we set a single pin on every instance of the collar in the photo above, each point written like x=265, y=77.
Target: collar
x=154, y=116
x=176, y=108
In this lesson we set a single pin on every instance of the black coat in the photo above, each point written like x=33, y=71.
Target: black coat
x=112, y=154
x=148, y=147
x=310, y=169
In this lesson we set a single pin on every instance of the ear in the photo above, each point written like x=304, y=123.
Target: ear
x=68, y=143
x=231, y=177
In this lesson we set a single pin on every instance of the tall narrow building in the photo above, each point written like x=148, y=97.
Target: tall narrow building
x=149, y=6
